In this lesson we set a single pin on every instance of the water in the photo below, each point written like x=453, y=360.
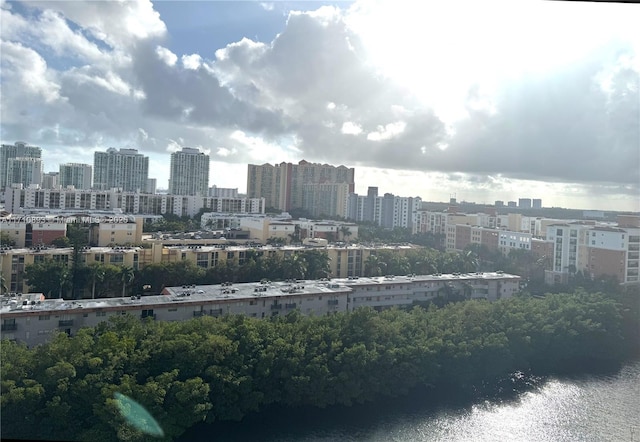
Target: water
x=587, y=408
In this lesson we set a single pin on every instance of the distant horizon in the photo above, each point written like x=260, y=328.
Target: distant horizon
x=420, y=98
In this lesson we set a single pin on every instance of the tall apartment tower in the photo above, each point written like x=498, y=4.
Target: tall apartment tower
x=19, y=149
x=50, y=180
x=25, y=171
x=125, y=169
x=370, y=204
x=189, y=173
x=76, y=175
x=321, y=189
x=524, y=203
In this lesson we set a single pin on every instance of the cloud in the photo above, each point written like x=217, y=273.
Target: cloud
x=351, y=128
x=192, y=61
x=166, y=55
x=100, y=74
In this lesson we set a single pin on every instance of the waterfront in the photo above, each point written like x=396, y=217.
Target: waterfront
x=585, y=408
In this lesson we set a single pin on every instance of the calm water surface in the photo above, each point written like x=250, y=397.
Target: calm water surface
x=588, y=408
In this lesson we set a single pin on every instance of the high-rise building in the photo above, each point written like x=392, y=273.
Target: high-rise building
x=24, y=170
x=189, y=173
x=370, y=204
x=537, y=203
x=50, y=180
x=512, y=204
x=321, y=189
x=19, y=149
x=524, y=203
x=151, y=185
x=125, y=169
x=76, y=175
x=223, y=192
x=499, y=203
x=387, y=211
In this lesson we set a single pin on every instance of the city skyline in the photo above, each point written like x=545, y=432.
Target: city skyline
x=553, y=119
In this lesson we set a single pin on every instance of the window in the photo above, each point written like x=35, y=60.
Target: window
x=44, y=317
x=100, y=314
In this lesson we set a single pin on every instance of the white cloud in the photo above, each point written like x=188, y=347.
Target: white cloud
x=192, y=61
x=114, y=22
x=173, y=146
x=166, y=55
x=387, y=132
x=27, y=70
x=350, y=128
x=87, y=75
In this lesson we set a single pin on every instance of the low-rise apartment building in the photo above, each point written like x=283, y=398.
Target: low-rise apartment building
x=20, y=200
x=344, y=261
x=596, y=250
x=34, y=320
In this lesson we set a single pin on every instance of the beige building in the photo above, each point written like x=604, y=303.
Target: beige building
x=344, y=261
x=116, y=230
x=27, y=231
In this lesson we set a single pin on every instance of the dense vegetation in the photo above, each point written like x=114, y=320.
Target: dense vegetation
x=211, y=369
x=76, y=279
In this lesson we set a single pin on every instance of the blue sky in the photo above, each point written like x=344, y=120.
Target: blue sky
x=423, y=99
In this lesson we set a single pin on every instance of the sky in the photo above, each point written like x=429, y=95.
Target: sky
x=491, y=100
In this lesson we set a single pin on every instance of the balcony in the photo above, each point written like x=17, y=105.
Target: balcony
x=276, y=306
x=65, y=323
x=9, y=327
x=290, y=306
x=332, y=302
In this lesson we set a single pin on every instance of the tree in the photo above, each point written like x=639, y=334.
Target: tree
x=294, y=238
x=96, y=274
x=317, y=264
x=45, y=276
x=5, y=240
x=469, y=262
x=3, y=284
x=346, y=232
x=275, y=241
x=374, y=266
x=64, y=281
x=61, y=242
x=294, y=266
x=127, y=275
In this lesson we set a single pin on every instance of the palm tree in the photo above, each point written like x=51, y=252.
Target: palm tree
x=65, y=280
x=317, y=264
x=127, y=275
x=3, y=284
x=97, y=274
x=469, y=262
x=374, y=266
x=345, y=231
x=294, y=267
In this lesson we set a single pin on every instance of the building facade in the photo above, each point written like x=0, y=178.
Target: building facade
x=76, y=175
x=189, y=173
x=33, y=320
x=124, y=169
x=24, y=171
x=33, y=200
x=321, y=189
x=19, y=149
